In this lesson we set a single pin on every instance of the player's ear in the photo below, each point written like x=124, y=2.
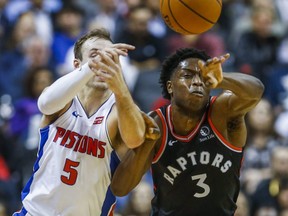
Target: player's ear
x=76, y=63
x=169, y=87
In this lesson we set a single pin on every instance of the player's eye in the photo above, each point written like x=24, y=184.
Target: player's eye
x=93, y=55
x=188, y=75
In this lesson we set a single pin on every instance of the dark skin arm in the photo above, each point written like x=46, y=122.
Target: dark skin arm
x=241, y=93
x=136, y=161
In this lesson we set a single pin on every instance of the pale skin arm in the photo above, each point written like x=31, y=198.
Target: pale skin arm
x=125, y=123
x=57, y=98
x=136, y=161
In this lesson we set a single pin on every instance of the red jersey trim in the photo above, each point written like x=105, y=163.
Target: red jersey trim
x=164, y=137
x=191, y=135
x=218, y=134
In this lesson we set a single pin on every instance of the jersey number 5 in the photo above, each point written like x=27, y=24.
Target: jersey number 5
x=206, y=189
x=69, y=168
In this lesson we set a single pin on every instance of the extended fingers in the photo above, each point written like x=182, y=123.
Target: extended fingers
x=216, y=60
x=122, y=48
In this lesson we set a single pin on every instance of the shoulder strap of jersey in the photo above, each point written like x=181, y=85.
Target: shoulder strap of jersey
x=161, y=113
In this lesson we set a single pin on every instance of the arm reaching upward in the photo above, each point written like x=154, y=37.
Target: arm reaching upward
x=242, y=91
x=60, y=93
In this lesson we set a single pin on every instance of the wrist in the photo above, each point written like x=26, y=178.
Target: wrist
x=85, y=68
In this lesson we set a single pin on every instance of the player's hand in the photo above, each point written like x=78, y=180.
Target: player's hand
x=212, y=70
x=152, y=130
x=110, y=71
x=122, y=48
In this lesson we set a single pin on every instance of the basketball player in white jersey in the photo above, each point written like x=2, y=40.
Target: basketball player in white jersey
x=88, y=119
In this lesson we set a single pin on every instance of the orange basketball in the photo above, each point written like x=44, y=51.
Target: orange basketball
x=190, y=16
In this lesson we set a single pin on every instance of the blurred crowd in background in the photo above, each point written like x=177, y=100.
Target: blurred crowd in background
x=36, y=47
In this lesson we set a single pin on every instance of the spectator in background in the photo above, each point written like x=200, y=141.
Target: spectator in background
x=241, y=13
x=147, y=56
x=108, y=16
x=13, y=61
x=260, y=143
x=24, y=124
x=4, y=24
x=276, y=86
x=43, y=20
x=37, y=53
x=282, y=197
x=265, y=196
x=156, y=26
x=242, y=203
x=257, y=47
x=149, y=50
x=34, y=53
x=8, y=183
x=209, y=41
x=139, y=200
x=3, y=208
x=69, y=26
x=281, y=123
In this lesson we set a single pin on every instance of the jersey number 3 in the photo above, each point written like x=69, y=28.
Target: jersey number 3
x=206, y=189
x=72, y=173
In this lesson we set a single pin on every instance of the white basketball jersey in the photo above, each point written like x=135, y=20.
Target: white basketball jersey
x=74, y=166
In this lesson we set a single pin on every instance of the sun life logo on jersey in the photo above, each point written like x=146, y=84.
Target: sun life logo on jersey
x=206, y=134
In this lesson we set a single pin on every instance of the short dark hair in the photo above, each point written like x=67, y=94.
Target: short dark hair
x=97, y=33
x=172, y=61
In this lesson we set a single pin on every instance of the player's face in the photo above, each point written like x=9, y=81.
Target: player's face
x=89, y=51
x=186, y=87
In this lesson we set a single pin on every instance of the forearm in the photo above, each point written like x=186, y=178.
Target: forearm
x=130, y=120
x=132, y=168
x=61, y=92
x=242, y=85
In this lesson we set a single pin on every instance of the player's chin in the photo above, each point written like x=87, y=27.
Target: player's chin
x=98, y=83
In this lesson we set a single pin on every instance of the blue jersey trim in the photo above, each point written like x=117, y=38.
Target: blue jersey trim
x=110, y=198
x=44, y=137
x=22, y=212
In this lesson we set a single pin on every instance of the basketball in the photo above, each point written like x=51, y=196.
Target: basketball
x=190, y=16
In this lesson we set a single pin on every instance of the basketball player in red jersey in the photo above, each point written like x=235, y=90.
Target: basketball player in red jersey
x=196, y=162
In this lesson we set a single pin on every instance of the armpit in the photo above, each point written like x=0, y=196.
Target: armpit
x=234, y=124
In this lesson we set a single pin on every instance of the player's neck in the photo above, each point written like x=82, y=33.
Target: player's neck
x=183, y=123
x=92, y=100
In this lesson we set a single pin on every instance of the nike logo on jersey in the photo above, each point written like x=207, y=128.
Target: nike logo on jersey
x=76, y=114
x=171, y=142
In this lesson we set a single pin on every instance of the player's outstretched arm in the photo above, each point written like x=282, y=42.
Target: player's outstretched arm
x=129, y=120
x=242, y=91
x=136, y=162
x=61, y=92
x=247, y=91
